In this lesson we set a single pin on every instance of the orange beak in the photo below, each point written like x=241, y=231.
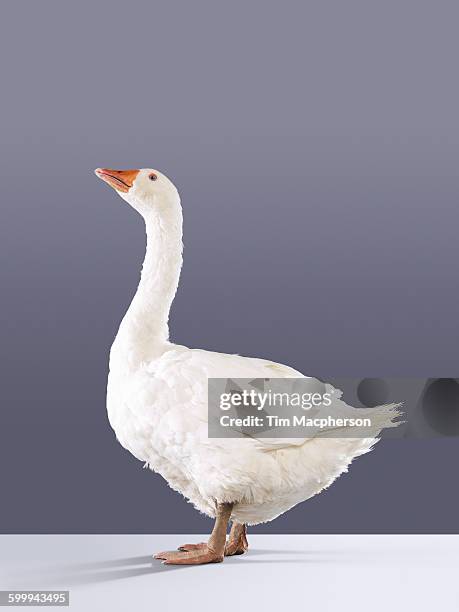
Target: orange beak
x=121, y=180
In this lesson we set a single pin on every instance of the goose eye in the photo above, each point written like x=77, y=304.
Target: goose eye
x=153, y=177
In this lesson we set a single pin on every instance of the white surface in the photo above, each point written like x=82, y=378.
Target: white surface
x=283, y=572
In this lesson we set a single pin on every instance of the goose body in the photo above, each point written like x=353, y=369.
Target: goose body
x=157, y=394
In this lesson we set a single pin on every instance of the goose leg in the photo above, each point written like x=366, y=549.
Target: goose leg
x=237, y=542
x=214, y=550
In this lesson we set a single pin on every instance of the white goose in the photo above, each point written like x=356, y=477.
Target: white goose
x=157, y=399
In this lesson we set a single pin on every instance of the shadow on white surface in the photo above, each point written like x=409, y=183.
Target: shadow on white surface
x=79, y=574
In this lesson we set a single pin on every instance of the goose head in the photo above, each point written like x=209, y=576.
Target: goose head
x=148, y=191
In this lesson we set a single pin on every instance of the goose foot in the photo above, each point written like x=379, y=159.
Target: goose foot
x=237, y=542
x=191, y=547
x=198, y=554
x=193, y=557
x=236, y=545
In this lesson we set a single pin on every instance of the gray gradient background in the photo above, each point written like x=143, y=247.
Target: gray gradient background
x=316, y=149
